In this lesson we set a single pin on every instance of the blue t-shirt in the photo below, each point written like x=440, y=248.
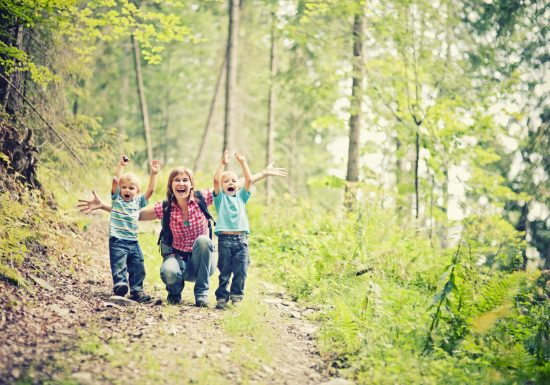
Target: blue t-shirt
x=125, y=216
x=231, y=211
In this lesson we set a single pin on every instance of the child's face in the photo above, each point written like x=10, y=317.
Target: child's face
x=181, y=186
x=229, y=183
x=128, y=189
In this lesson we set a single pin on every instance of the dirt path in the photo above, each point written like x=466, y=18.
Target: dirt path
x=63, y=329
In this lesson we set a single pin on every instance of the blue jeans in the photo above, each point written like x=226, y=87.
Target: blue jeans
x=126, y=264
x=198, y=268
x=233, y=259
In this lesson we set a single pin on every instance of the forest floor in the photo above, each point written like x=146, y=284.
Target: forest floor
x=62, y=329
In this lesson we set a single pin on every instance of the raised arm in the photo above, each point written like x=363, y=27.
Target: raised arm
x=246, y=170
x=219, y=171
x=122, y=162
x=154, y=167
x=88, y=205
x=269, y=170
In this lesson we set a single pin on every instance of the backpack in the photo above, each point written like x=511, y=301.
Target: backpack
x=166, y=238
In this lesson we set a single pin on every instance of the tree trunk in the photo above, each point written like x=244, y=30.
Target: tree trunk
x=355, y=119
x=142, y=101
x=17, y=78
x=416, y=163
x=231, y=73
x=217, y=88
x=166, y=117
x=271, y=108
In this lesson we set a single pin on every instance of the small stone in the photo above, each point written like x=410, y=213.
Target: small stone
x=40, y=282
x=82, y=376
x=295, y=314
x=15, y=373
x=338, y=381
x=272, y=301
x=224, y=349
x=267, y=369
x=60, y=311
x=122, y=301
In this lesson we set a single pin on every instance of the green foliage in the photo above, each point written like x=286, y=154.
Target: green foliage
x=384, y=291
x=15, y=232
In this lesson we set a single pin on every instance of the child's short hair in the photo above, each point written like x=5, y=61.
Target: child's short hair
x=227, y=172
x=131, y=178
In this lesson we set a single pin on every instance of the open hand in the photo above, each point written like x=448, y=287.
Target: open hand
x=87, y=206
x=269, y=170
x=155, y=166
x=240, y=157
x=226, y=156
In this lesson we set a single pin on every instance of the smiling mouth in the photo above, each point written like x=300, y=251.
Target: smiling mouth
x=231, y=189
x=181, y=190
x=127, y=196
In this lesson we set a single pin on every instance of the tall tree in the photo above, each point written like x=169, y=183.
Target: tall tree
x=271, y=103
x=208, y=122
x=231, y=73
x=142, y=100
x=352, y=176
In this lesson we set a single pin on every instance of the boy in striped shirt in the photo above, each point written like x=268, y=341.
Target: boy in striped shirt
x=125, y=255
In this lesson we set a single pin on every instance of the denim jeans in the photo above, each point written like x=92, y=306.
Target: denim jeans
x=198, y=268
x=233, y=259
x=126, y=264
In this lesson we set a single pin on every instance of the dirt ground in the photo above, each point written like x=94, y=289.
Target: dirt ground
x=63, y=329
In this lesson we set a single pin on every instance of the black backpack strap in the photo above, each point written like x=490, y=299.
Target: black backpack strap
x=165, y=237
x=204, y=209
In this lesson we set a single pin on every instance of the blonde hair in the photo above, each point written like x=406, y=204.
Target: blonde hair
x=228, y=172
x=130, y=177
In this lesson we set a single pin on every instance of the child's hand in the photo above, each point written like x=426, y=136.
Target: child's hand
x=269, y=170
x=226, y=156
x=240, y=157
x=155, y=166
x=123, y=161
x=86, y=206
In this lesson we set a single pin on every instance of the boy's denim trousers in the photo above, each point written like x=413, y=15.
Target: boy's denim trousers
x=198, y=268
x=233, y=259
x=126, y=264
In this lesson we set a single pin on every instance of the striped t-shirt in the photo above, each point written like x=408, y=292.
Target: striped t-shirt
x=124, y=216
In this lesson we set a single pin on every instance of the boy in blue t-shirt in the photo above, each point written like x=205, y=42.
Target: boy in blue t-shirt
x=232, y=230
x=125, y=255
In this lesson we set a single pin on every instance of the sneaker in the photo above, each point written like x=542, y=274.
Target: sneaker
x=121, y=290
x=174, y=299
x=140, y=297
x=201, y=301
x=236, y=299
x=221, y=304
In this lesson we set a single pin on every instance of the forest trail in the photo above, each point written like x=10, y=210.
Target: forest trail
x=63, y=329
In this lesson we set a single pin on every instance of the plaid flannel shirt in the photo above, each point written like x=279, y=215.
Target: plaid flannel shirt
x=184, y=235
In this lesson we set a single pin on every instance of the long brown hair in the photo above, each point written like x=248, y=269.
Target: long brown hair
x=175, y=172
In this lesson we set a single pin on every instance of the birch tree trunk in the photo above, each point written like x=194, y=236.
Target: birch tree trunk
x=142, y=101
x=271, y=109
x=355, y=120
x=217, y=88
x=231, y=73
